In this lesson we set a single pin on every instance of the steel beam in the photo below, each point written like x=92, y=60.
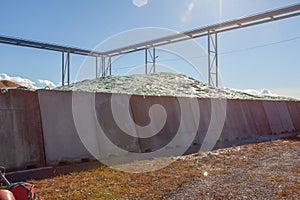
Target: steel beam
x=208, y=61
x=154, y=59
x=68, y=67
x=63, y=68
x=103, y=66
x=109, y=65
x=268, y=16
x=146, y=61
x=96, y=67
x=217, y=60
x=47, y=46
x=212, y=51
x=264, y=17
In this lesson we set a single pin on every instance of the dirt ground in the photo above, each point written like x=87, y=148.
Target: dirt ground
x=268, y=170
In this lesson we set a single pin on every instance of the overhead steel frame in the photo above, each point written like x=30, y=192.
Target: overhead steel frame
x=208, y=31
x=52, y=47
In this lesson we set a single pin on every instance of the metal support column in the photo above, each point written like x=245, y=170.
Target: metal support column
x=96, y=67
x=212, y=46
x=146, y=61
x=68, y=67
x=154, y=58
x=63, y=69
x=109, y=65
x=217, y=58
x=208, y=59
x=103, y=66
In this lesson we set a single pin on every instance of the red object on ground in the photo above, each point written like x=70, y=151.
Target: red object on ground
x=22, y=191
x=6, y=195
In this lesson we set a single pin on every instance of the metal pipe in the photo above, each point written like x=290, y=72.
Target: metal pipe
x=103, y=65
x=2, y=176
x=68, y=68
x=96, y=67
x=146, y=61
x=154, y=58
x=63, y=69
x=216, y=55
x=280, y=13
x=109, y=60
x=208, y=51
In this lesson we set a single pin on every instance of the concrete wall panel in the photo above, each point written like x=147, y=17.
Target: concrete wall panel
x=214, y=135
x=187, y=134
x=235, y=125
x=205, y=117
x=260, y=118
x=173, y=124
x=249, y=121
x=279, y=117
x=171, y=116
x=285, y=117
x=32, y=123
x=21, y=140
x=273, y=116
x=62, y=143
x=117, y=125
x=294, y=110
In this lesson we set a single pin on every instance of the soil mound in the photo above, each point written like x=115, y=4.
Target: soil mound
x=8, y=84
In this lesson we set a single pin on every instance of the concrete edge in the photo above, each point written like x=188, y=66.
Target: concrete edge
x=49, y=172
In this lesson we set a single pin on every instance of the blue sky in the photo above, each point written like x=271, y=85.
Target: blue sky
x=85, y=24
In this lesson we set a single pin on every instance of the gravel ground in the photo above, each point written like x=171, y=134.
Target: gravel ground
x=269, y=170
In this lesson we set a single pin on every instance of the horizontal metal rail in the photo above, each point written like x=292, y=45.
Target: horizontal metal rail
x=269, y=16
x=47, y=46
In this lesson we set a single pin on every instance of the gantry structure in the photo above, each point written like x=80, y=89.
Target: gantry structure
x=149, y=46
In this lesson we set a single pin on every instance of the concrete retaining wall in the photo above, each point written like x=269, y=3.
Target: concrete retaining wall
x=249, y=121
x=105, y=125
x=21, y=137
x=62, y=143
x=294, y=110
x=278, y=117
